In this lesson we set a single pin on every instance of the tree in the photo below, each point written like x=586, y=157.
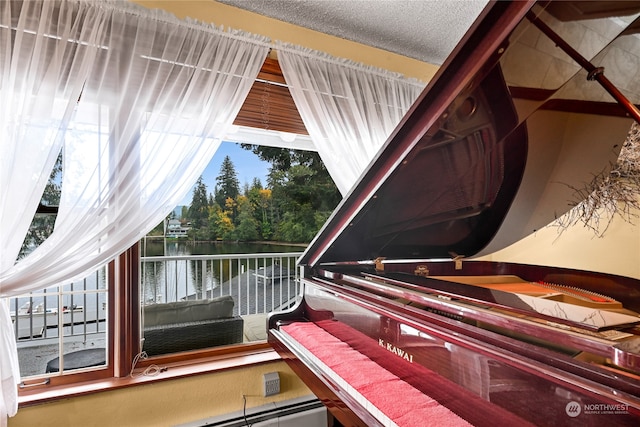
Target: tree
x=227, y=185
x=260, y=200
x=303, y=193
x=222, y=226
x=199, y=209
x=248, y=227
x=42, y=225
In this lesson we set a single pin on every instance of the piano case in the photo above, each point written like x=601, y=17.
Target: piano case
x=398, y=324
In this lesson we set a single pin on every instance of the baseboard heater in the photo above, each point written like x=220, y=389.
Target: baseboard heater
x=307, y=411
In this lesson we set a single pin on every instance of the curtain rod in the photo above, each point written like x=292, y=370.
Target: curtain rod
x=169, y=18
x=191, y=23
x=323, y=56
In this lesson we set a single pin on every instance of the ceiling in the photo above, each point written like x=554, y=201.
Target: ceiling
x=426, y=30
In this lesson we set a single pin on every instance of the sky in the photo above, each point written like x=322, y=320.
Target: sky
x=246, y=164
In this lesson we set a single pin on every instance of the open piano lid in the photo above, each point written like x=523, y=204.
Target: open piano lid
x=491, y=151
x=494, y=147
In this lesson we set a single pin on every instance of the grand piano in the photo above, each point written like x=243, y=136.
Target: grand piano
x=399, y=322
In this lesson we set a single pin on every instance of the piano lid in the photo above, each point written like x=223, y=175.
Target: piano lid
x=517, y=118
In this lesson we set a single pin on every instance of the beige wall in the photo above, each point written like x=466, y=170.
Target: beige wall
x=230, y=17
x=617, y=252
x=165, y=403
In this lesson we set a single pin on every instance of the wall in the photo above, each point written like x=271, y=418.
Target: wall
x=165, y=403
x=234, y=18
x=617, y=252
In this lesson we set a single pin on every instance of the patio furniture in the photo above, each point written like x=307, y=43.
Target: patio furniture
x=190, y=325
x=79, y=359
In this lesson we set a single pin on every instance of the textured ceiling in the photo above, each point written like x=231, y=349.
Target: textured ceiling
x=426, y=30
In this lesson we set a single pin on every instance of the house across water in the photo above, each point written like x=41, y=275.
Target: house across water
x=176, y=228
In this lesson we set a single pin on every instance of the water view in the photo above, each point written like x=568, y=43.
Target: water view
x=260, y=277
x=171, y=247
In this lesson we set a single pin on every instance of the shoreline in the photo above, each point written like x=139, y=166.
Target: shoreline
x=261, y=242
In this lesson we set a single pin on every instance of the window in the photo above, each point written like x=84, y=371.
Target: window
x=67, y=320
x=187, y=302
x=198, y=301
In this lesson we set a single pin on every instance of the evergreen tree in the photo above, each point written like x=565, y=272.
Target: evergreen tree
x=227, y=185
x=199, y=209
x=321, y=191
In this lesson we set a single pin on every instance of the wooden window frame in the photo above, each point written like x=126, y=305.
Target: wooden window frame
x=123, y=337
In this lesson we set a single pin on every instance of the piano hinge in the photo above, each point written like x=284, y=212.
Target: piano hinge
x=378, y=264
x=421, y=270
x=457, y=260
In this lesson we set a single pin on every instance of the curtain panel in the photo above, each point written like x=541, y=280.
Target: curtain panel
x=136, y=100
x=349, y=109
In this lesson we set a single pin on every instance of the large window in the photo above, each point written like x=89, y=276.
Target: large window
x=186, y=303
x=174, y=303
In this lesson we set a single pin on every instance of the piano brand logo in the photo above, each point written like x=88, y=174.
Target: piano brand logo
x=396, y=350
x=573, y=409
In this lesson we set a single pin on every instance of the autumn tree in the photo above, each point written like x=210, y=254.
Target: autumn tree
x=303, y=195
x=248, y=227
x=260, y=200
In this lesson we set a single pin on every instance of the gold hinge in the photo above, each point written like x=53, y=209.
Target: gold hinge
x=421, y=270
x=457, y=260
x=378, y=263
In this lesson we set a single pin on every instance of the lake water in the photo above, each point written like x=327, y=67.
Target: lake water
x=171, y=247
x=169, y=280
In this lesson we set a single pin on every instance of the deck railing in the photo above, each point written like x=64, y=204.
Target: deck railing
x=258, y=283
x=78, y=307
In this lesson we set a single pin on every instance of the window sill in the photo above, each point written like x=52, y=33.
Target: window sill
x=175, y=368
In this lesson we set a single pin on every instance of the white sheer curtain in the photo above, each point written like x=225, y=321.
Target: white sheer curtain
x=41, y=79
x=136, y=99
x=348, y=109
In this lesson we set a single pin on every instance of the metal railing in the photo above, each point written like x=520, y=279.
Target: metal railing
x=259, y=283
x=60, y=319
x=78, y=308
